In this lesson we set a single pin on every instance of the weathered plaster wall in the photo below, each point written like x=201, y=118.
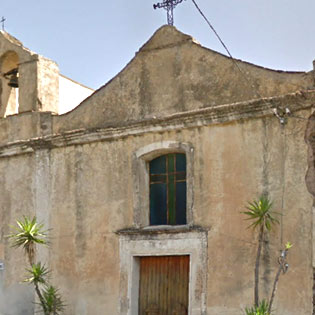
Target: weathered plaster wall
x=16, y=186
x=81, y=183
x=85, y=192
x=171, y=74
x=92, y=197
x=47, y=86
x=86, y=254
x=253, y=157
x=23, y=127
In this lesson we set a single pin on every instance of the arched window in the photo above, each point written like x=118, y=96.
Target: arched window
x=148, y=190
x=168, y=189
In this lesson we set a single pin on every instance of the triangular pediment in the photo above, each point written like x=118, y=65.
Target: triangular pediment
x=172, y=73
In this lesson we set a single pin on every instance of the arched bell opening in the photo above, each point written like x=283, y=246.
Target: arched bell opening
x=9, y=84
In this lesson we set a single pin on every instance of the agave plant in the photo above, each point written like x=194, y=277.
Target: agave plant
x=27, y=234
x=259, y=212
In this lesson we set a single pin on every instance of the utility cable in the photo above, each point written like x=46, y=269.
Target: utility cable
x=284, y=158
x=284, y=149
x=228, y=52
x=213, y=29
x=234, y=60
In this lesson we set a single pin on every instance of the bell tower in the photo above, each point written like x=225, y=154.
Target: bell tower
x=28, y=82
x=9, y=103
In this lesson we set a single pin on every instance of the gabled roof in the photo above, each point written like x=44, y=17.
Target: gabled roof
x=172, y=73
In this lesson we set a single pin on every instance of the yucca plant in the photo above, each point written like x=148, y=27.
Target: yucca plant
x=260, y=309
x=263, y=218
x=27, y=234
x=37, y=274
x=53, y=301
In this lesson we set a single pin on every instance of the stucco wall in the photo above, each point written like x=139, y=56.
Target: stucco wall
x=17, y=188
x=81, y=183
x=91, y=197
x=234, y=163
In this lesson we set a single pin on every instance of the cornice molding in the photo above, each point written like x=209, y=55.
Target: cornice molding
x=220, y=114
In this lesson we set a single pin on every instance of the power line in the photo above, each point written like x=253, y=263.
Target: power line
x=281, y=117
x=213, y=29
x=283, y=173
x=256, y=92
x=228, y=51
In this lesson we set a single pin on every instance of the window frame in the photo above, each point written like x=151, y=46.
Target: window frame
x=166, y=178
x=141, y=174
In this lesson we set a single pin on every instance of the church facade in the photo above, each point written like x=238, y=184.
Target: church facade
x=143, y=183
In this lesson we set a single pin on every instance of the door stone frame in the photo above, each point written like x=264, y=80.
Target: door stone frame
x=170, y=242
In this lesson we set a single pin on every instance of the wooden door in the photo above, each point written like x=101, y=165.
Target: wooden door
x=164, y=284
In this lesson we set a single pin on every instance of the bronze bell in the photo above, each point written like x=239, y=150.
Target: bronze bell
x=14, y=81
x=12, y=75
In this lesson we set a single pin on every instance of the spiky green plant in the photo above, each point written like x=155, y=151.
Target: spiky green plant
x=27, y=234
x=259, y=212
x=53, y=301
x=37, y=274
x=260, y=309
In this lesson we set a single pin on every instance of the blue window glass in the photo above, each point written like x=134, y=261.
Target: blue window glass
x=168, y=190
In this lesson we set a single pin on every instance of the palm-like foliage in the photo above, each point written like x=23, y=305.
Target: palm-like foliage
x=37, y=274
x=53, y=301
x=27, y=234
x=261, y=214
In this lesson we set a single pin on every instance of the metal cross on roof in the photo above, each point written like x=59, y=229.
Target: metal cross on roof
x=168, y=5
x=2, y=21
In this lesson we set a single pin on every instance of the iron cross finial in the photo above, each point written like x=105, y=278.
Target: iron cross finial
x=2, y=21
x=168, y=5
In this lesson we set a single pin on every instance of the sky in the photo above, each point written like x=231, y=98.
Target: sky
x=93, y=40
